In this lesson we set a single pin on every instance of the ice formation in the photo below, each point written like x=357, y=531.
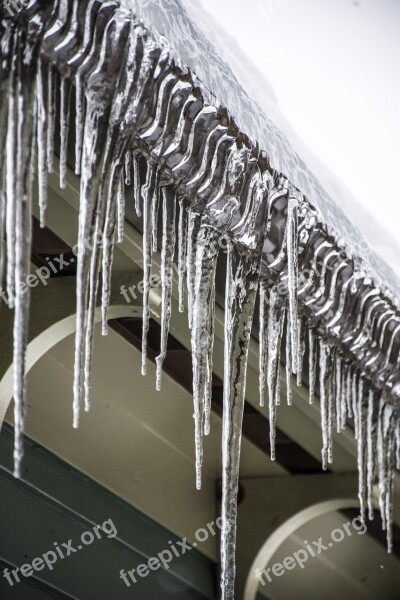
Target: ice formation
x=137, y=107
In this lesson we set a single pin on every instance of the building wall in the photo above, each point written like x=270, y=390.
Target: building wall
x=53, y=503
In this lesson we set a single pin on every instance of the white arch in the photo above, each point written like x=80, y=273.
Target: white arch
x=287, y=528
x=48, y=338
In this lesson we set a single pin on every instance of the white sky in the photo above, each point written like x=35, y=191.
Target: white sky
x=335, y=68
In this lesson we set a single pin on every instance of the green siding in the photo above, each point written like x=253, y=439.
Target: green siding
x=54, y=502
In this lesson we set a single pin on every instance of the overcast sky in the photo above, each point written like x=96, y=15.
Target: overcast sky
x=335, y=69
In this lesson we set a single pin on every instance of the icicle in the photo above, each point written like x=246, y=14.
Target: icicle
x=79, y=122
x=355, y=405
x=300, y=352
x=42, y=139
x=137, y=184
x=6, y=50
x=102, y=153
x=312, y=358
x=12, y=180
x=382, y=454
x=2, y=236
x=349, y=393
x=182, y=247
x=51, y=103
x=65, y=92
x=108, y=242
x=193, y=225
x=275, y=326
x=209, y=371
x=278, y=385
x=371, y=449
x=362, y=448
x=389, y=496
x=263, y=341
x=93, y=292
x=149, y=192
x=96, y=130
x=292, y=252
x=24, y=122
x=128, y=168
x=343, y=393
x=331, y=405
x=338, y=392
x=324, y=400
x=397, y=438
x=120, y=210
x=386, y=466
x=154, y=216
x=105, y=205
x=289, y=394
x=241, y=289
x=167, y=262
x=205, y=251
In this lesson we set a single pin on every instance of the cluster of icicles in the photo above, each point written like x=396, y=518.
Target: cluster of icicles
x=110, y=63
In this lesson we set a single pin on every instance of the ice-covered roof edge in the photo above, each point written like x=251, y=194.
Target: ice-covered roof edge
x=256, y=113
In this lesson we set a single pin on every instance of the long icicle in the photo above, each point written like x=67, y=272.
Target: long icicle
x=26, y=109
x=263, y=339
x=79, y=122
x=121, y=209
x=182, y=248
x=209, y=372
x=65, y=105
x=372, y=417
x=343, y=400
x=331, y=404
x=154, y=215
x=241, y=290
x=6, y=49
x=128, y=168
x=338, y=392
x=51, y=76
x=108, y=241
x=137, y=184
x=289, y=393
x=202, y=333
x=92, y=160
x=362, y=447
x=42, y=139
x=312, y=361
x=167, y=262
x=300, y=351
x=354, y=403
x=292, y=253
x=275, y=326
x=324, y=401
x=104, y=207
x=193, y=226
x=11, y=168
x=150, y=190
